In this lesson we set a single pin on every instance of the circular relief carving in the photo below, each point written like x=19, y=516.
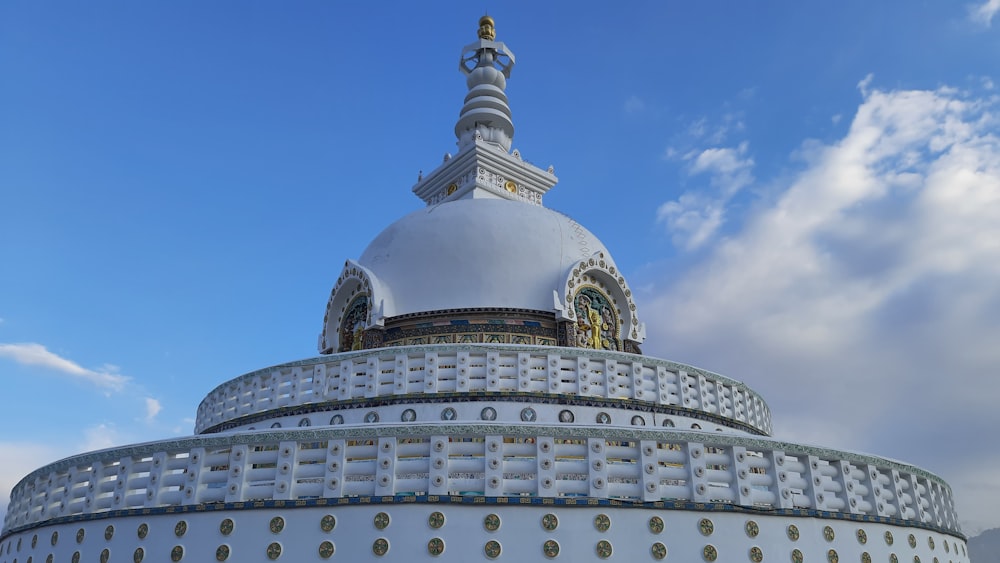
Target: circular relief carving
x=372, y=416
x=916, y=558
x=828, y=533
x=409, y=415
x=80, y=534
x=756, y=555
x=142, y=531
x=912, y=540
x=380, y=547
x=109, y=533
x=832, y=557
x=656, y=524
x=710, y=553
x=603, y=418
x=277, y=524
x=105, y=555
x=888, y=538
x=222, y=552
x=76, y=557
x=566, y=415
x=528, y=414
x=452, y=187
x=138, y=555
x=55, y=538
x=381, y=520
x=448, y=414
x=862, y=536
x=436, y=520
x=930, y=542
x=751, y=528
x=492, y=549
x=336, y=419
x=604, y=549
x=796, y=556
x=706, y=527
x=273, y=550
x=488, y=413
x=435, y=546
x=638, y=420
x=226, y=526
x=181, y=528
x=491, y=522
x=893, y=558
x=602, y=522
x=177, y=553
x=793, y=532
x=328, y=523
x=550, y=522
x=326, y=549
x=550, y=548
x=658, y=550
x=866, y=557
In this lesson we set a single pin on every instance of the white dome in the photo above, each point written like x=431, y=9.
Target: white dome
x=478, y=253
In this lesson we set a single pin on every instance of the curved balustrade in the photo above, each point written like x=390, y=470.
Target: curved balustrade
x=492, y=460
x=427, y=370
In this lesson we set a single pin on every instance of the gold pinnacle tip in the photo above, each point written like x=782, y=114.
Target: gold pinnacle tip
x=486, y=29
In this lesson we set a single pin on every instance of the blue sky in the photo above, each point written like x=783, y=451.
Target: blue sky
x=807, y=196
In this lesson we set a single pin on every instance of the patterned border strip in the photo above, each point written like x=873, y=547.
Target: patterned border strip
x=483, y=500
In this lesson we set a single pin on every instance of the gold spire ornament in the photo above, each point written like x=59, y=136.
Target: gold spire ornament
x=486, y=29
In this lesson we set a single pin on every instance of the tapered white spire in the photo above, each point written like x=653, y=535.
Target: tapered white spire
x=487, y=64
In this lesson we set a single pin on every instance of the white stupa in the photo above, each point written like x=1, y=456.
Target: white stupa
x=481, y=395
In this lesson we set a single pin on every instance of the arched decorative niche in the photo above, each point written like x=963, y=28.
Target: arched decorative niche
x=355, y=312
x=597, y=308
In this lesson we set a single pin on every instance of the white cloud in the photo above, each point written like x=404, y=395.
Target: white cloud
x=153, y=408
x=33, y=354
x=634, y=104
x=696, y=215
x=101, y=437
x=19, y=459
x=863, y=296
x=983, y=13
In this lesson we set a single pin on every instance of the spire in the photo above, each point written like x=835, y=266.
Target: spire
x=486, y=115
x=485, y=166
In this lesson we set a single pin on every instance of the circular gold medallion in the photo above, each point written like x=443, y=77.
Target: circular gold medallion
x=710, y=553
x=277, y=524
x=796, y=556
x=550, y=522
x=866, y=557
x=656, y=524
x=550, y=548
x=756, y=555
x=381, y=520
x=602, y=522
x=222, y=552
x=832, y=557
x=793, y=532
x=604, y=549
x=181, y=528
x=510, y=186
x=105, y=555
x=80, y=534
x=109, y=533
x=435, y=520
x=888, y=538
x=380, y=547
x=435, y=546
x=76, y=557
x=274, y=550
x=326, y=549
x=862, y=536
x=55, y=538
x=138, y=555
x=328, y=523
x=930, y=542
x=142, y=531
x=912, y=540
x=751, y=528
x=658, y=550
x=492, y=549
x=828, y=533
x=452, y=188
x=491, y=522
x=706, y=527
x=177, y=553
x=226, y=526
x=893, y=558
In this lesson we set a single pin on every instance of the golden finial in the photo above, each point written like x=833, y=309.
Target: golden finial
x=486, y=30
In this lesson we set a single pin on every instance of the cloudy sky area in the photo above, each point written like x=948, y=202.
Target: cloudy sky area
x=807, y=197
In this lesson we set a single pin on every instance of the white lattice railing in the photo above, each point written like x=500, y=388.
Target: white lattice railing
x=452, y=369
x=482, y=459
